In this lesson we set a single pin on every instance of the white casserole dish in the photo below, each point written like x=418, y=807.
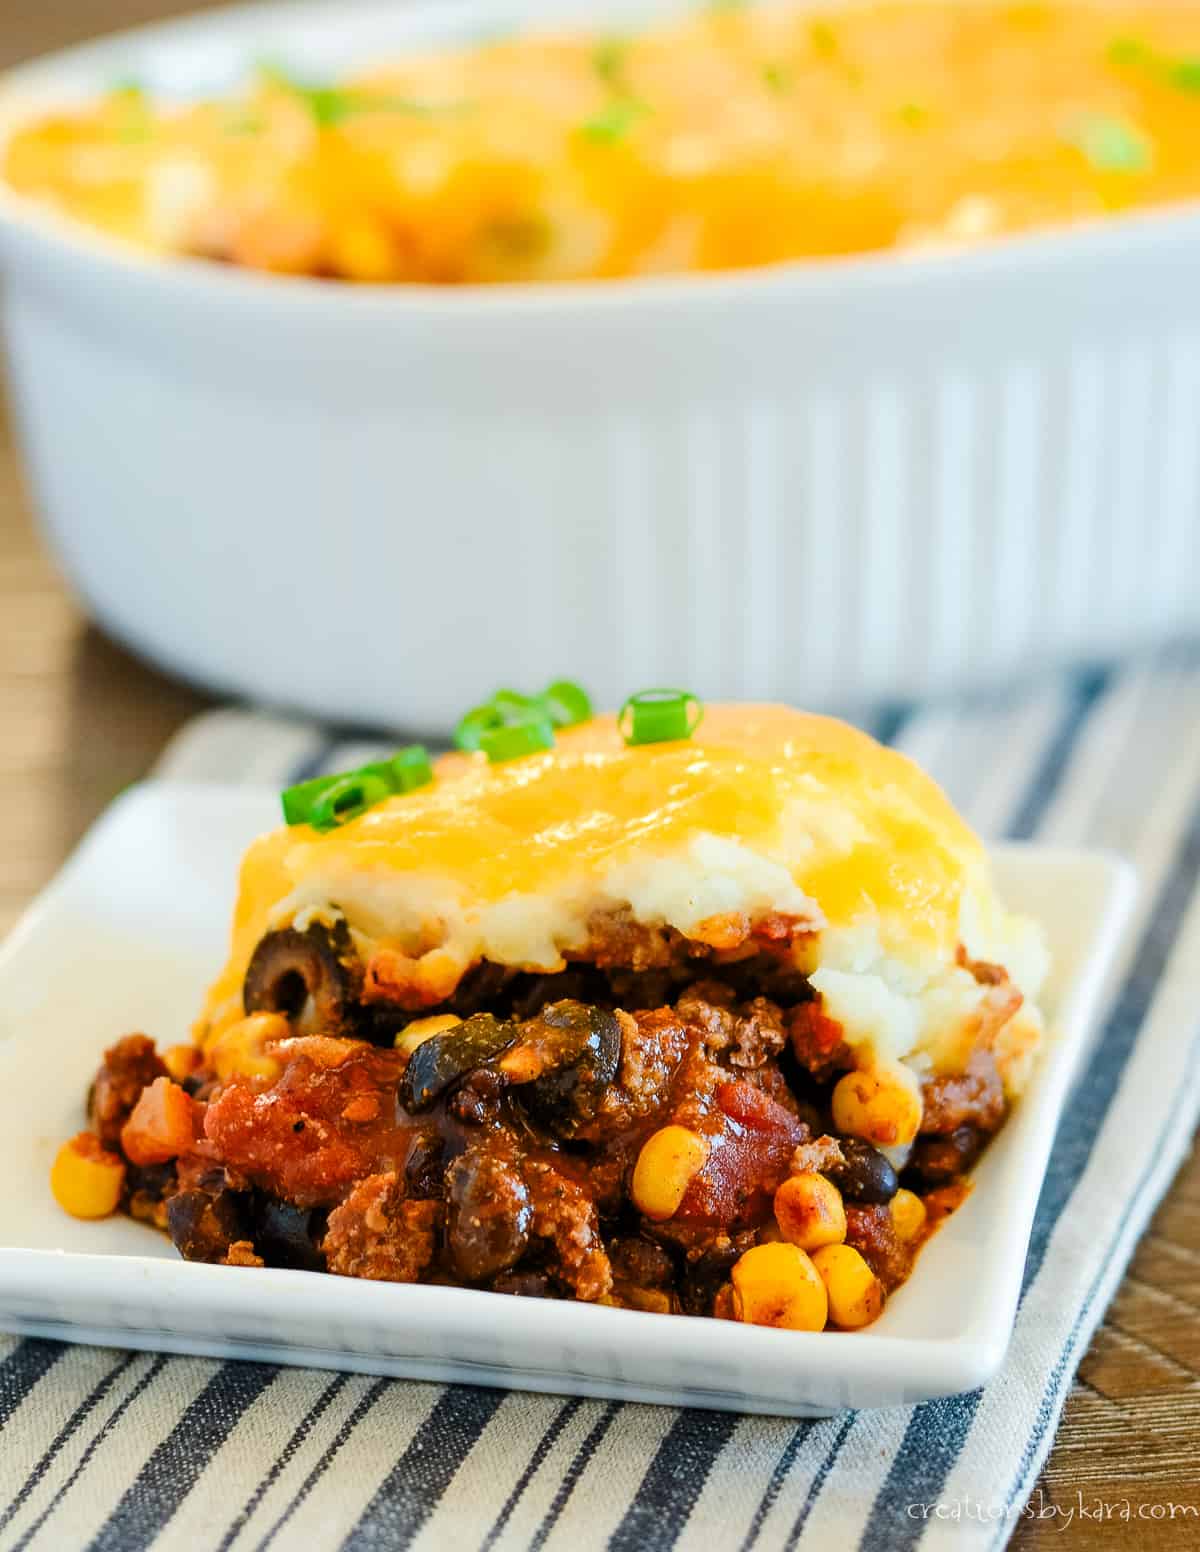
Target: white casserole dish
x=824, y=482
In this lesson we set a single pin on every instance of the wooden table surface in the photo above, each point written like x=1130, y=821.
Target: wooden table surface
x=81, y=719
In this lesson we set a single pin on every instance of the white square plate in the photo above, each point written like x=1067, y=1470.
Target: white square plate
x=126, y=938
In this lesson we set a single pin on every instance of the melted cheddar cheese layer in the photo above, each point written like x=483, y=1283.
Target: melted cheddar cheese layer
x=764, y=812
x=730, y=137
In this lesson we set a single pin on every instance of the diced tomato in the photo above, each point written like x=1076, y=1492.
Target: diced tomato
x=816, y=1038
x=750, y=1107
x=748, y=1155
x=161, y=1126
x=323, y=1125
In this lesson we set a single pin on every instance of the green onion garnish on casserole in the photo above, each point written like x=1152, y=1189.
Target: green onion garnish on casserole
x=701, y=1010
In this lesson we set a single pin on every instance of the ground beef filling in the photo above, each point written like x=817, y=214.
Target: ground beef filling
x=502, y=1151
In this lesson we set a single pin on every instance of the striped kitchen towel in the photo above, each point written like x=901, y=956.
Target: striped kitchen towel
x=116, y=1451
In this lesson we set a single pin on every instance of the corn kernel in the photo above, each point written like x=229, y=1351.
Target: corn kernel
x=809, y=1212
x=668, y=1163
x=181, y=1061
x=777, y=1285
x=653, y=1300
x=239, y=1049
x=877, y=1105
x=86, y=1179
x=908, y=1214
x=364, y=251
x=855, y=1293
x=420, y=1030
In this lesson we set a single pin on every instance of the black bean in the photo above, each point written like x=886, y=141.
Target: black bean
x=704, y=1275
x=524, y=1285
x=490, y=1214
x=203, y=1226
x=151, y=1181
x=425, y=1167
x=935, y=1161
x=478, y=1099
x=531, y=993
x=642, y=1262
x=866, y=1176
x=144, y=1191
x=289, y=1236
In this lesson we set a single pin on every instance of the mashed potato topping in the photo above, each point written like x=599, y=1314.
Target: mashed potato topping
x=768, y=824
x=731, y=136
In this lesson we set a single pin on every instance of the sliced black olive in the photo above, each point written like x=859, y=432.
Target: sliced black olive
x=312, y=977
x=490, y=1214
x=578, y=1048
x=202, y=1225
x=866, y=1176
x=443, y=1059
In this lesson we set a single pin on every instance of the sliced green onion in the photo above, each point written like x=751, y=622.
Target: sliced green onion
x=328, y=801
x=659, y=716
x=298, y=800
x=1181, y=71
x=332, y=105
x=135, y=123
x=1184, y=73
x=245, y=124
x=614, y=122
x=1111, y=145
x=135, y=131
x=512, y=706
x=347, y=797
x=566, y=703
x=609, y=58
x=516, y=739
x=478, y=721
x=327, y=104
x=914, y=114
x=410, y=768
x=504, y=708
x=562, y=704
x=1129, y=51
x=822, y=37
x=778, y=78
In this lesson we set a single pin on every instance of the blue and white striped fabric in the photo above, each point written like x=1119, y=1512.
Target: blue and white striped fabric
x=117, y=1451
